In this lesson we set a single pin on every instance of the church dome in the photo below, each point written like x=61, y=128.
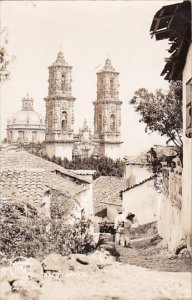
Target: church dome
x=25, y=117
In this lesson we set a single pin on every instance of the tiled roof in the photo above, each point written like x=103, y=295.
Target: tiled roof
x=21, y=183
x=173, y=22
x=64, y=186
x=143, y=158
x=26, y=176
x=21, y=158
x=84, y=172
x=106, y=191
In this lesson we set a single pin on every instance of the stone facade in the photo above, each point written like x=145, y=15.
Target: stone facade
x=26, y=126
x=107, y=111
x=59, y=110
x=60, y=138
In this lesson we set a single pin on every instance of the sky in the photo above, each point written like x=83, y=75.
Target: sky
x=87, y=32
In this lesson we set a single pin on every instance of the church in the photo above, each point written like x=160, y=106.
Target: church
x=26, y=126
x=60, y=138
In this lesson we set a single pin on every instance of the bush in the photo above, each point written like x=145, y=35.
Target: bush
x=24, y=233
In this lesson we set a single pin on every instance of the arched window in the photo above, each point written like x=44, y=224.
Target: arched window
x=63, y=83
x=50, y=120
x=64, y=120
x=112, y=122
x=111, y=87
x=99, y=122
x=10, y=135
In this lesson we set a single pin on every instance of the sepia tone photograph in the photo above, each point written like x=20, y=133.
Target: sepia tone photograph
x=95, y=150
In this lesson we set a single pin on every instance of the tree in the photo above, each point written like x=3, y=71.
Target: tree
x=5, y=58
x=162, y=112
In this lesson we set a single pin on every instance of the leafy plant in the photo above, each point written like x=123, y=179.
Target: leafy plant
x=162, y=112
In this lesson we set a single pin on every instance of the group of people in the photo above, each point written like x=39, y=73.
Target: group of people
x=122, y=226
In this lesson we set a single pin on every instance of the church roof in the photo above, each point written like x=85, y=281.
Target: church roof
x=60, y=61
x=108, y=67
x=106, y=191
x=27, y=116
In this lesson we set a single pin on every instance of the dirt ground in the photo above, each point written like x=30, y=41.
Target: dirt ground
x=121, y=282
x=144, y=272
x=151, y=254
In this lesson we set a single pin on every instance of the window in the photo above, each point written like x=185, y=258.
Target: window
x=50, y=120
x=64, y=120
x=99, y=122
x=21, y=136
x=188, y=131
x=111, y=87
x=10, y=136
x=112, y=122
x=63, y=83
x=34, y=136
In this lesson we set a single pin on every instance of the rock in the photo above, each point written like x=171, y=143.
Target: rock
x=5, y=290
x=6, y=274
x=181, y=246
x=184, y=253
x=34, y=267
x=110, y=247
x=172, y=256
x=53, y=262
x=29, y=290
x=101, y=258
x=82, y=259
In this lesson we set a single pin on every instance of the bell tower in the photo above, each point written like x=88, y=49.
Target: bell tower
x=59, y=110
x=107, y=111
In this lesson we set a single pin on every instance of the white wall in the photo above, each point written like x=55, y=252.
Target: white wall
x=112, y=150
x=136, y=173
x=143, y=201
x=187, y=161
x=59, y=150
x=86, y=201
x=169, y=223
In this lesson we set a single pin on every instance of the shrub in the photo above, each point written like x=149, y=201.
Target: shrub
x=24, y=233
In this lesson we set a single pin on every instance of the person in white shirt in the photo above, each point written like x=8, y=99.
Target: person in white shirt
x=119, y=229
x=128, y=223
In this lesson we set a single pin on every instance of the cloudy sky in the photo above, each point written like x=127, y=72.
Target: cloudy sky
x=87, y=32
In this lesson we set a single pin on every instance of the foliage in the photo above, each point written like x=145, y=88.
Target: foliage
x=162, y=112
x=5, y=59
x=24, y=233
x=104, y=166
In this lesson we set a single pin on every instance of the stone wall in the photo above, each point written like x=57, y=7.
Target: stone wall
x=169, y=223
x=187, y=156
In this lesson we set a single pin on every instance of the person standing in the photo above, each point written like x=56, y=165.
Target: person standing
x=129, y=220
x=119, y=229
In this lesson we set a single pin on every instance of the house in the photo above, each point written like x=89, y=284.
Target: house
x=140, y=197
x=173, y=22
x=142, y=200
x=30, y=178
x=106, y=198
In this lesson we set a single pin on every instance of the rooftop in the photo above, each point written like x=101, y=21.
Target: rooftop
x=106, y=192
x=21, y=183
x=27, y=177
x=173, y=22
